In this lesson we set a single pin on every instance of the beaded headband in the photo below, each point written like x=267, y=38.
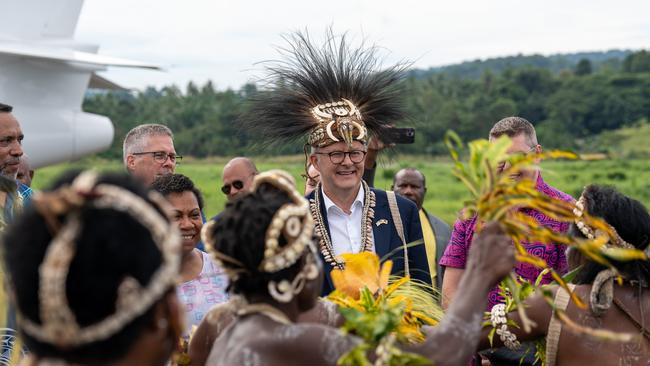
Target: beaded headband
x=293, y=221
x=614, y=240
x=342, y=119
x=58, y=323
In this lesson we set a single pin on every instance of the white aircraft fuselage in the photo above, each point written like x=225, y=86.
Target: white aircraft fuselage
x=44, y=75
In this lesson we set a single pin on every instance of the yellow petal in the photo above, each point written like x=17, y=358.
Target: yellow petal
x=361, y=270
x=384, y=274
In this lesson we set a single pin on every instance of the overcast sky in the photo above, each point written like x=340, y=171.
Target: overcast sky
x=221, y=40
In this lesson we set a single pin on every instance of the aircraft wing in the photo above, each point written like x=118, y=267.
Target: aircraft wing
x=69, y=55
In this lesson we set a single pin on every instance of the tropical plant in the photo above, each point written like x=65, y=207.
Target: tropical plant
x=382, y=311
x=497, y=197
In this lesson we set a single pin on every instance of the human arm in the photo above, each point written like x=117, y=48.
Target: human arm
x=450, y=284
x=537, y=310
x=375, y=146
x=454, y=259
x=455, y=338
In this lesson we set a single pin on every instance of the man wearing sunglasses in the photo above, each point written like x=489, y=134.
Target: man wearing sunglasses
x=237, y=177
x=149, y=152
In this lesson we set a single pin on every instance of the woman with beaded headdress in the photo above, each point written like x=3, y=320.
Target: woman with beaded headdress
x=264, y=241
x=92, y=268
x=620, y=306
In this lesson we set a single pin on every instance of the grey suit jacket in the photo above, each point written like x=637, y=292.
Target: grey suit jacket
x=442, y=232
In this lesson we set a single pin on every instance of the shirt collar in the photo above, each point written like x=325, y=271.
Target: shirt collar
x=358, y=201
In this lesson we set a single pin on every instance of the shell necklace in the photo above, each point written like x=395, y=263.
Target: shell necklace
x=320, y=227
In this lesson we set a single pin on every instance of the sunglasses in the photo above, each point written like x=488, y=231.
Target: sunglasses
x=238, y=184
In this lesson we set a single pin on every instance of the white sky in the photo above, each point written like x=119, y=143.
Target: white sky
x=221, y=40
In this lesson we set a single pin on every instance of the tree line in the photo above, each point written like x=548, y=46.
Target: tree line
x=566, y=105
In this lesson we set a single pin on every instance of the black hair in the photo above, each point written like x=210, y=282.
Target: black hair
x=111, y=246
x=177, y=183
x=309, y=74
x=6, y=108
x=240, y=232
x=414, y=170
x=630, y=219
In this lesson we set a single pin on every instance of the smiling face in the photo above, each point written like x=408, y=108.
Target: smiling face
x=11, y=137
x=187, y=215
x=520, y=145
x=343, y=177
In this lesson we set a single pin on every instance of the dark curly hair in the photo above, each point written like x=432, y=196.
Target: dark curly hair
x=111, y=246
x=630, y=219
x=177, y=183
x=239, y=233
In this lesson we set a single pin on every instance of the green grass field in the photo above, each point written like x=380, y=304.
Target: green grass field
x=445, y=194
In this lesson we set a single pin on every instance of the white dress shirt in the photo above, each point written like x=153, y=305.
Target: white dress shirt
x=345, y=230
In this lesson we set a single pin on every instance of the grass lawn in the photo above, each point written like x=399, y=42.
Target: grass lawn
x=445, y=194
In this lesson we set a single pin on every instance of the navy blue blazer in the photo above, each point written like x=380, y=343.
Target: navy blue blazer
x=388, y=245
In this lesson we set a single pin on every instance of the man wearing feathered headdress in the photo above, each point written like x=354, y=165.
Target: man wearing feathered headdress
x=337, y=97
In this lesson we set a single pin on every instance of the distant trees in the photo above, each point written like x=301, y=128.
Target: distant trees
x=583, y=67
x=566, y=107
x=637, y=62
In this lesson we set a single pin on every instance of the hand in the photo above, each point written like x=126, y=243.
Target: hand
x=492, y=253
x=375, y=145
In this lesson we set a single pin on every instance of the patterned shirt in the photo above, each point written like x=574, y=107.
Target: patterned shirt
x=199, y=295
x=461, y=238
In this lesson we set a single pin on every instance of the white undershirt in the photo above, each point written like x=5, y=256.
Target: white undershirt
x=345, y=230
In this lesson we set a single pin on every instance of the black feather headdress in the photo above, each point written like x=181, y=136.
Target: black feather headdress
x=328, y=93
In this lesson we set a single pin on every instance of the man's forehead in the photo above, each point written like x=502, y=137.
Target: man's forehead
x=409, y=176
x=236, y=170
x=9, y=124
x=342, y=146
x=519, y=143
x=159, y=143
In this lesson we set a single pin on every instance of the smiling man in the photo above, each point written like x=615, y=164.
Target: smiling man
x=337, y=96
x=148, y=152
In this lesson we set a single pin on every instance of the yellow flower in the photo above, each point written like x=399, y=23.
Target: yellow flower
x=361, y=270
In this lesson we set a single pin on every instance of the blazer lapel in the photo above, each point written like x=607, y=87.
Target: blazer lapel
x=381, y=225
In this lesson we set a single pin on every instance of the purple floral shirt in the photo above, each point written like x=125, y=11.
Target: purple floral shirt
x=456, y=253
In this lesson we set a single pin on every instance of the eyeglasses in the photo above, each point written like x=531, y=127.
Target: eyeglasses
x=337, y=157
x=238, y=185
x=161, y=156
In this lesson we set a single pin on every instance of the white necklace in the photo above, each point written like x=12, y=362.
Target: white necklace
x=320, y=227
